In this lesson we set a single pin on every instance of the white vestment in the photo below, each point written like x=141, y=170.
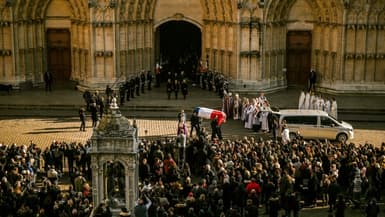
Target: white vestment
x=249, y=117
x=301, y=101
x=334, y=111
x=307, y=101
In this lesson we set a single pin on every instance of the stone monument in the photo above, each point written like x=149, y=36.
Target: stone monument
x=114, y=161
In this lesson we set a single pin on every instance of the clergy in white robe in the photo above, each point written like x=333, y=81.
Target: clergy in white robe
x=264, y=121
x=245, y=105
x=236, y=107
x=249, y=116
x=314, y=102
x=301, y=101
x=327, y=107
x=334, y=111
x=321, y=103
x=307, y=101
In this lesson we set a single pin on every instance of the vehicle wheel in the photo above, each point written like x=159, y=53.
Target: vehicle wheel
x=342, y=137
x=292, y=136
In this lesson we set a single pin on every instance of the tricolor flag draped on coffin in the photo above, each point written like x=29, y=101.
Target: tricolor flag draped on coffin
x=210, y=114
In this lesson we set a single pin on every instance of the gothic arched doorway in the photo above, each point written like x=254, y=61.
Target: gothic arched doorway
x=178, y=47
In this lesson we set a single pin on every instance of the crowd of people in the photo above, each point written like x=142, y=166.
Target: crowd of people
x=30, y=180
x=237, y=177
x=240, y=177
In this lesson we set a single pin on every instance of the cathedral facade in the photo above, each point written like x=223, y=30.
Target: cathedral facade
x=256, y=44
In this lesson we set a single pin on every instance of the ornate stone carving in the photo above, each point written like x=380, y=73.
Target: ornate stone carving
x=103, y=53
x=5, y=23
x=5, y=52
x=349, y=56
x=351, y=26
x=254, y=53
x=359, y=56
x=114, y=125
x=178, y=16
x=325, y=52
x=370, y=56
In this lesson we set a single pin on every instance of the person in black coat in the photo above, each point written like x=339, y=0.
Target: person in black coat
x=48, y=81
x=251, y=209
x=340, y=206
x=128, y=89
x=333, y=192
x=372, y=209
x=132, y=87
x=109, y=92
x=142, y=81
x=274, y=204
x=137, y=84
x=122, y=94
x=176, y=88
x=195, y=124
x=149, y=80
x=169, y=88
x=184, y=89
x=82, y=117
x=94, y=115
x=312, y=80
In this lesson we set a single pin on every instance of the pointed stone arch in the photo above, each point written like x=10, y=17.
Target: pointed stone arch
x=324, y=21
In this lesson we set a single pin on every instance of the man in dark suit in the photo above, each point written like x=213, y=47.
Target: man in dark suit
x=48, y=81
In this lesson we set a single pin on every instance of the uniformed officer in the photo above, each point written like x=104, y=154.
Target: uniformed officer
x=128, y=89
x=149, y=80
x=137, y=84
x=132, y=87
x=122, y=93
x=142, y=81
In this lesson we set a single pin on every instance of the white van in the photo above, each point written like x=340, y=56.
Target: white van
x=312, y=124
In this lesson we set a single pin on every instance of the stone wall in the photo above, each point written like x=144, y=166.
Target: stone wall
x=112, y=40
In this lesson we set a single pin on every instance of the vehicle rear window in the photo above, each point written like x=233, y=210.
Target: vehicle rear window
x=309, y=120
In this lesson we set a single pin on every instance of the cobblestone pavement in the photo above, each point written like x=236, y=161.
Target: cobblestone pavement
x=43, y=131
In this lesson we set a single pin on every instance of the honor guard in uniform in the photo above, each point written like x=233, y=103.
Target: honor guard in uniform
x=142, y=81
x=176, y=88
x=204, y=77
x=169, y=88
x=184, y=88
x=122, y=93
x=128, y=89
x=132, y=87
x=137, y=84
x=149, y=80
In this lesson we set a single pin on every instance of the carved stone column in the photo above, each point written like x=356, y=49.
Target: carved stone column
x=103, y=42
